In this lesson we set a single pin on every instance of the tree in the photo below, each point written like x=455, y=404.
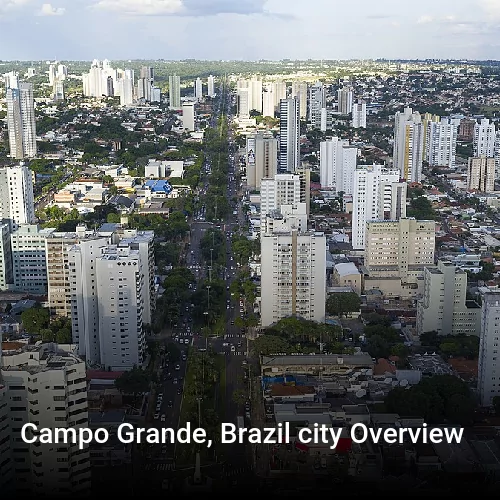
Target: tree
x=339, y=304
x=135, y=381
x=270, y=344
x=35, y=319
x=63, y=336
x=239, y=397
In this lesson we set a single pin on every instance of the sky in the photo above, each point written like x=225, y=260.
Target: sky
x=249, y=29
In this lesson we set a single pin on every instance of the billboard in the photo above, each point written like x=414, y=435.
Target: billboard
x=250, y=151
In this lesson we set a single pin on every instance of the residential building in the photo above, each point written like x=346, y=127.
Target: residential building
x=484, y=139
x=444, y=307
x=46, y=385
x=441, y=143
x=408, y=145
x=17, y=204
x=396, y=254
x=6, y=278
x=299, y=91
x=293, y=276
x=244, y=103
x=359, y=114
x=378, y=194
x=188, y=116
x=58, y=90
x=21, y=122
x=174, y=91
x=198, y=89
x=95, y=82
x=262, y=159
x=337, y=164
x=345, y=100
x=125, y=88
x=289, y=152
x=481, y=174
x=286, y=219
x=489, y=335
x=144, y=89
x=211, y=86
x=466, y=129
x=317, y=101
x=269, y=100
x=428, y=118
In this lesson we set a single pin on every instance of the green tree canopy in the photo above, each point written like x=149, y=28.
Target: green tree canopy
x=340, y=304
x=35, y=319
x=135, y=381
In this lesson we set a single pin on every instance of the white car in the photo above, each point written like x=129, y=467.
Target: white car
x=233, y=348
x=163, y=418
x=157, y=416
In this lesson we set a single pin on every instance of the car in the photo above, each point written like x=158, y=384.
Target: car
x=239, y=344
x=177, y=367
x=184, y=358
x=170, y=404
x=233, y=348
x=179, y=391
x=160, y=395
x=163, y=418
x=157, y=416
x=175, y=381
x=232, y=321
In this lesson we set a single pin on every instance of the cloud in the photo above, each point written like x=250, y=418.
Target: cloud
x=491, y=7
x=193, y=8
x=48, y=10
x=10, y=5
x=425, y=20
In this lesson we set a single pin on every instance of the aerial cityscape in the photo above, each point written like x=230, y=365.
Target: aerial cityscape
x=277, y=245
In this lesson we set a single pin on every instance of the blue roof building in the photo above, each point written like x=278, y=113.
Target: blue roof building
x=158, y=186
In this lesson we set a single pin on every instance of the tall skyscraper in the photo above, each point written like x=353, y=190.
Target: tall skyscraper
x=337, y=164
x=198, y=89
x=126, y=88
x=481, y=174
x=289, y=153
x=441, y=143
x=293, y=276
x=174, y=91
x=144, y=89
x=211, y=86
x=268, y=101
x=95, y=82
x=262, y=159
x=359, y=115
x=344, y=97
x=17, y=204
x=21, y=121
x=188, y=116
x=58, y=90
x=243, y=103
x=299, y=90
x=409, y=144
x=484, y=139
x=316, y=103
x=378, y=194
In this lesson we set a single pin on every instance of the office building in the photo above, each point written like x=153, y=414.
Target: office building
x=289, y=141
x=444, y=307
x=21, y=121
x=174, y=92
x=299, y=91
x=378, y=194
x=17, y=204
x=359, y=115
x=211, y=86
x=484, y=139
x=408, y=145
x=262, y=159
x=488, y=384
x=481, y=174
x=317, y=102
x=345, y=100
x=441, y=143
x=47, y=385
x=188, y=116
x=198, y=89
x=293, y=276
x=337, y=164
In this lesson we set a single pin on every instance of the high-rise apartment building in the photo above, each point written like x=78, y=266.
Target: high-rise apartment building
x=6, y=278
x=58, y=90
x=188, y=116
x=378, y=194
x=17, y=204
x=441, y=143
x=299, y=91
x=484, y=139
x=317, y=101
x=345, y=99
x=293, y=276
x=244, y=103
x=289, y=140
x=408, y=145
x=337, y=164
x=144, y=89
x=174, y=91
x=359, y=114
x=198, y=89
x=488, y=384
x=262, y=159
x=268, y=100
x=46, y=386
x=211, y=86
x=481, y=174
x=125, y=88
x=95, y=82
x=466, y=129
x=21, y=121
x=444, y=307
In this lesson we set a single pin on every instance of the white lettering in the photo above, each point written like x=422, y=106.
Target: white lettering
x=305, y=439
x=24, y=437
x=199, y=436
x=228, y=434
x=335, y=435
x=391, y=436
x=104, y=438
x=453, y=435
x=359, y=433
x=123, y=436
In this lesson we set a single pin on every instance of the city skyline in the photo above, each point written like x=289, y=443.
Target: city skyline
x=180, y=29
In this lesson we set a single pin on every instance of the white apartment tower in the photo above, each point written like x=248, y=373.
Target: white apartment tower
x=211, y=86
x=268, y=101
x=337, y=165
x=289, y=153
x=244, y=103
x=188, y=116
x=262, y=159
x=17, y=204
x=317, y=102
x=174, y=91
x=21, y=121
x=481, y=174
x=444, y=307
x=198, y=89
x=441, y=143
x=489, y=336
x=378, y=194
x=293, y=276
x=6, y=278
x=408, y=145
x=299, y=91
x=47, y=386
x=359, y=115
x=484, y=139
x=125, y=88
x=95, y=82
x=345, y=99
x=58, y=90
